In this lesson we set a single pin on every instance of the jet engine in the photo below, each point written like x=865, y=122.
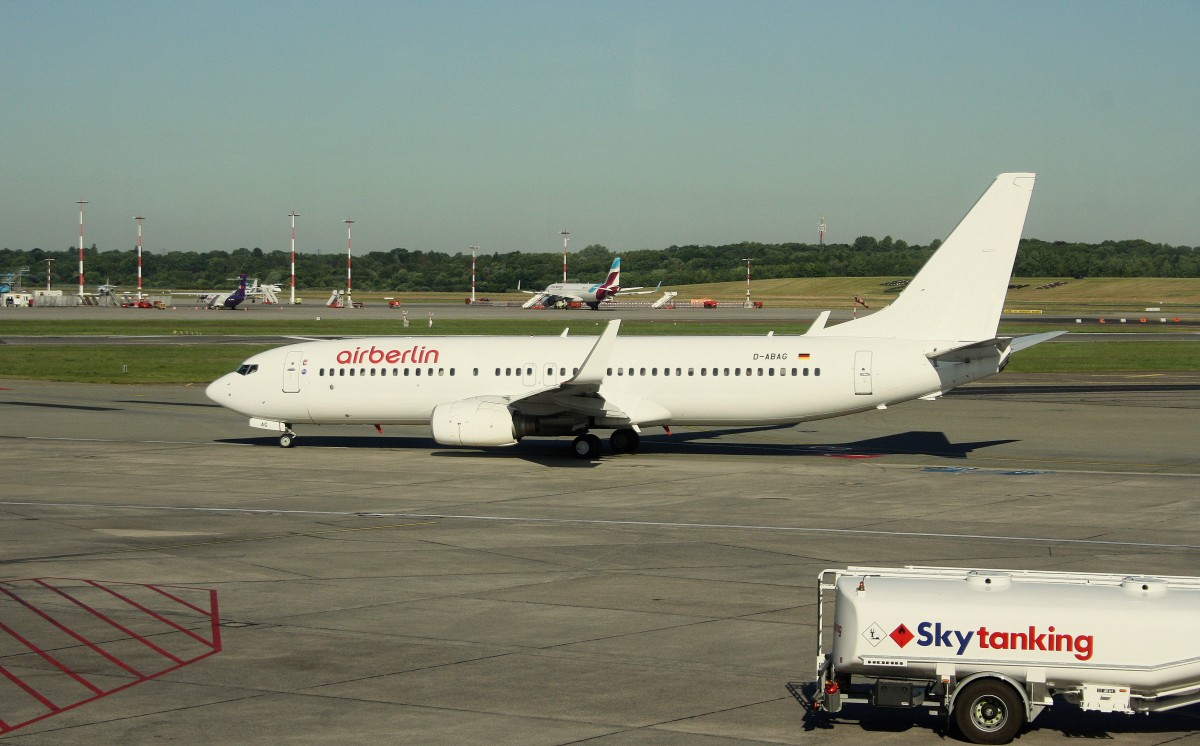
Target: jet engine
x=473, y=422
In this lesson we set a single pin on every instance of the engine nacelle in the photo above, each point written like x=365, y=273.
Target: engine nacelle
x=473, y=422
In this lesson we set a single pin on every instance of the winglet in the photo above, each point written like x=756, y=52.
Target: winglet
x=592, y=372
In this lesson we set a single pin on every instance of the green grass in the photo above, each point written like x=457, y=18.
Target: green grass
x=201, y=363
x=132, y=364
x=1097, y=357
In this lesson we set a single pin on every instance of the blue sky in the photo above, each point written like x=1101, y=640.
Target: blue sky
x=437, y=125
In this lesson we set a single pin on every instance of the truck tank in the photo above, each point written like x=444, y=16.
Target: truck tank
x=1065, y=629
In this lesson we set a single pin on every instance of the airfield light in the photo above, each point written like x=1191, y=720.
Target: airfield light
x=747, y=261
x=139, y=220
x=566, y=234
x=349, y=301
x=473, y=250
x=81, y=203
x=293, y=215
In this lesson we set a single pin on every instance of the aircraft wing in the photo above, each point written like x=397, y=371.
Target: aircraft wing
x=584, y=393
x=639, y=290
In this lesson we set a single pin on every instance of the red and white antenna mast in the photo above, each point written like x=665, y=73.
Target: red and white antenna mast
x=566, y=234
x=293, y=215
x=349, y=258
x=139, y=220
x=747, y=261
x=81, y=203
x=473, y=250
x=821, y=231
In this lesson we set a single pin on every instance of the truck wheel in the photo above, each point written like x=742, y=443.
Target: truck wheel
x=989, y=711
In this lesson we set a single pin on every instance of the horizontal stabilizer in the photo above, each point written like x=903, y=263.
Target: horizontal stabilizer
x=1001, y=345
x=1029, y=340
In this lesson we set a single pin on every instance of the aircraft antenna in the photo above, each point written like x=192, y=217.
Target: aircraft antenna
x=566, y=234
x=293, y=215
x=139, y=220
x=349, y=259
x=81, y=203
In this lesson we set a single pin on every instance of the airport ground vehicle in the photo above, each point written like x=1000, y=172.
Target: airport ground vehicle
x=990, y=649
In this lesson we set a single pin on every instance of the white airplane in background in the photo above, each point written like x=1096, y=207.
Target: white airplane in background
x=492, y=391
x=590, y=294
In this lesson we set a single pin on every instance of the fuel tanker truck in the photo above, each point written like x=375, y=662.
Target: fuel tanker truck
x=991, y=649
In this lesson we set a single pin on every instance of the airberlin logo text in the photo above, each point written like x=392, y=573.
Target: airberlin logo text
x=934, y=635
x=417, y=354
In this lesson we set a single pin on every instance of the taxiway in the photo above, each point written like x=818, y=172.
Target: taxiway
x=384, y=587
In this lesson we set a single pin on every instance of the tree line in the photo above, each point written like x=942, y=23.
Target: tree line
x=403, y=270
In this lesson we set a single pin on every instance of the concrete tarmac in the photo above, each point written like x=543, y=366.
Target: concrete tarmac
x=385, y=588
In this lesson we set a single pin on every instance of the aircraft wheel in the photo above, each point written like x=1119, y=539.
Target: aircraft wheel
x=287, y=440
x=625, y=440
x=989, y=711
x=586, y=447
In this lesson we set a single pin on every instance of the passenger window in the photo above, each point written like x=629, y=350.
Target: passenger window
x=352, y=371
x=691, y=371
x=816, y=371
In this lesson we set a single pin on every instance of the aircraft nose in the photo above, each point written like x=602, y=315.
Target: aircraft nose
x=220, y=390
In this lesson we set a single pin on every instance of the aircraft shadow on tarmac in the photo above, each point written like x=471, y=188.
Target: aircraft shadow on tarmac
x=555, y=451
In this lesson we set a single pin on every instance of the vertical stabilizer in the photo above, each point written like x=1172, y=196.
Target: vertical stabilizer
x=613, y=281
x=959, y=294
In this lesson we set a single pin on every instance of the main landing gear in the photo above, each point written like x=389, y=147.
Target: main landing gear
x=587, y=447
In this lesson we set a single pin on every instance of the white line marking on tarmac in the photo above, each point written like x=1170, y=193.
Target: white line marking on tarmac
x=603, y=522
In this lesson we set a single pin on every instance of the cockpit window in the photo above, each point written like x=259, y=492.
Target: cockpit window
x=246, y=369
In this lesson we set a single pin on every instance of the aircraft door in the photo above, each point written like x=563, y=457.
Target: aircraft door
x=862, y=372
x=291, y=371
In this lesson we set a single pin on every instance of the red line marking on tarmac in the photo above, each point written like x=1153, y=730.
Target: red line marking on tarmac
x=176, y=604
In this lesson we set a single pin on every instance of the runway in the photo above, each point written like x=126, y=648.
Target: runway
x=384, y=587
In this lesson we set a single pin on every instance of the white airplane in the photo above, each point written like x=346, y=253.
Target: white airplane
x=492, y=391
x=590, y=294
